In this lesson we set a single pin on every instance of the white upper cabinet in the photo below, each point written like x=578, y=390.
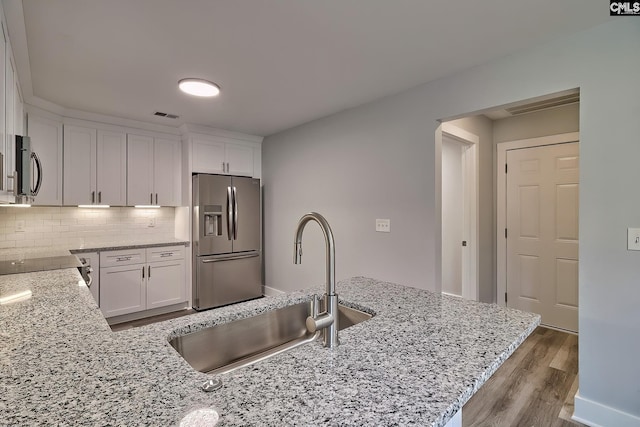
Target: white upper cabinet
x=213, y=155
x=111, y=170
x=94, y=166
x=166, y=171
x=79, y=176
x=153, y=171
x=46, y=142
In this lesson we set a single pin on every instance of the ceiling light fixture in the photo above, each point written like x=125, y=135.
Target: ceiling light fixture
x=199, y=87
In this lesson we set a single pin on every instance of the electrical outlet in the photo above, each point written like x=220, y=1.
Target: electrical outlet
x=383, y=225
x=633, y=239
x=152, y=222
x=20, y=226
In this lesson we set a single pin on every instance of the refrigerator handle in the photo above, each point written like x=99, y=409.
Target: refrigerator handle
x=235, y=214
x=229, y=213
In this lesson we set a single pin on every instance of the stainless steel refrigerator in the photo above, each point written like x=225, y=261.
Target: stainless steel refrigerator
x=227, y=264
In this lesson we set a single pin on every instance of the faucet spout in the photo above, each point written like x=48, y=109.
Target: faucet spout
x=327, y=321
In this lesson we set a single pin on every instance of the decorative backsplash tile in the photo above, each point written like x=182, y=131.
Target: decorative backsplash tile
x=72, y=226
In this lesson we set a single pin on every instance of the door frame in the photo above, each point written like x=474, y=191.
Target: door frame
x=501, y=200
x=470, y=279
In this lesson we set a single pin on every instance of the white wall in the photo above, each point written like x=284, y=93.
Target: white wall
x=378, y=161
x=74, y=227
x=452, y=215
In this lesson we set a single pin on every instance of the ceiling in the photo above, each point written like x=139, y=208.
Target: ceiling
x=280, y=63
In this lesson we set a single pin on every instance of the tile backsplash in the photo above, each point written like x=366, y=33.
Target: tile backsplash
x=74, y=227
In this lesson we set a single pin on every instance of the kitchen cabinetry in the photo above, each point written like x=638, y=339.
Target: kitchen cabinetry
x=153, y=171
x=133, y=280
x=94, y=166
x=215, y=155
x=46, y=141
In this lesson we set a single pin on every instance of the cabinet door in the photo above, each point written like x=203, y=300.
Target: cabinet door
x=166, y=171
x=122, y=289
x=165, y=283
x=46, y=142
x=139, y=170
x=79, y=171
x=111, y=168
x=240, y=159
x=208, y=156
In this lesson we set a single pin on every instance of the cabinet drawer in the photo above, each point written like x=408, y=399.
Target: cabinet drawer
x=122, y=257
x=165, y=253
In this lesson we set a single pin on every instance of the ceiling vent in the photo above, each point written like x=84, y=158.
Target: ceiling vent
x=167, y=115
x=571, y=98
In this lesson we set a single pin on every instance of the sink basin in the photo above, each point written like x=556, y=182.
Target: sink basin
x=223, y=348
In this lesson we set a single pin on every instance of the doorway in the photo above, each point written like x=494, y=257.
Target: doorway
x=538, y=214
x=459, y=212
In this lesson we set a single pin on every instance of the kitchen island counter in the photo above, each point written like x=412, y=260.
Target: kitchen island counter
x=417, y=361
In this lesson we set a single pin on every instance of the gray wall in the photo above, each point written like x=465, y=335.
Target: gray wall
x=379, y=160
x=542, y=123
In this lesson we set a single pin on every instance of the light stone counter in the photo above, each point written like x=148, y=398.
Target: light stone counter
x=416, y=362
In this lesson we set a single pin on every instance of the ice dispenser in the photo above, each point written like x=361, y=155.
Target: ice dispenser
x=213, y=220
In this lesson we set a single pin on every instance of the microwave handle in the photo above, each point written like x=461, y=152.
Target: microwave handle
x=34, y=156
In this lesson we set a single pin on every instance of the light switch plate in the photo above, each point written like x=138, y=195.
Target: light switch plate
x=152, y=222
x=633, y=239
x=383, y=225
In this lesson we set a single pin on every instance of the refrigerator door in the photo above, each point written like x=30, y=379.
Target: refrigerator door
x=212, y=214
x=246, y=227
x=223, y=280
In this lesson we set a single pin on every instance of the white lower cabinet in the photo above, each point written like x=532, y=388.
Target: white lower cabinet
x=141, y=279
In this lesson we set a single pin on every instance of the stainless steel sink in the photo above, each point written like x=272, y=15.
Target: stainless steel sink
x=223, y=348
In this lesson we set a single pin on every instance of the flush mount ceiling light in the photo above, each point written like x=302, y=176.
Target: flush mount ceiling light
x=199, y=87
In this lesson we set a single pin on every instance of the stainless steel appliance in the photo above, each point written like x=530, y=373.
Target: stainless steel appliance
x=227, y=264
x=86, y=271
x=23, y=188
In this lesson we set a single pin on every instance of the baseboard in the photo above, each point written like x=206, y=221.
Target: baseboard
x=595, y=414
x=147, y=313
x=272, y=292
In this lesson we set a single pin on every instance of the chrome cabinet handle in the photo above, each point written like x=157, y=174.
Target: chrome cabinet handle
x=229, y=213
x=149, y=270
x=99, y=196
x=223, y=167
x=143, y=271
x=93, y=197
x=150, y=198
x=156, y=198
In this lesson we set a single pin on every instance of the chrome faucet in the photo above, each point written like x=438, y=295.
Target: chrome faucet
x=327, y=321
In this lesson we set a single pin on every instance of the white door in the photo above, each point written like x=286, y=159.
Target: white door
x=122, y=289
x=240, y=159
x=79, y=169
x=542, y=232
x=166, y=171
x=140, y=170
x=452, y=215
x=165, y=283
x=111, y=168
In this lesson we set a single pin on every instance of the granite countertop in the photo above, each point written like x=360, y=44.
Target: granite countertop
x=417, y=361
x=10, y=254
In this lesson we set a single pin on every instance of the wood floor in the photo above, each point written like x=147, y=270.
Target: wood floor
x=534, y=387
